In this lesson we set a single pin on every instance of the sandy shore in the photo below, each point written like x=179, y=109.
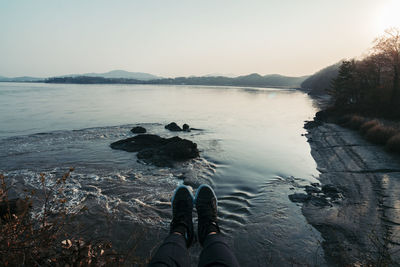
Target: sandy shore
x=364, y=226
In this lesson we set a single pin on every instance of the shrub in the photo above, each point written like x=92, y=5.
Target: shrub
x=368, y=125
x=380, y=134
x=393, y=144
x=27, y=240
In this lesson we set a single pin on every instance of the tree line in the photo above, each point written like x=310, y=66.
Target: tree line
x=247, y=80
x=371, y=86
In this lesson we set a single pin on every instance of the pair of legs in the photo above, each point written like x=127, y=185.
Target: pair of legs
x=174, y=250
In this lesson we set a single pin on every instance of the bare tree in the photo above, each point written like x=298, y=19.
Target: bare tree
x=388, y=47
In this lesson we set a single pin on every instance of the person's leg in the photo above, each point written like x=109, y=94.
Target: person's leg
x=172, y=253
x=216, y=251
x=174, y=250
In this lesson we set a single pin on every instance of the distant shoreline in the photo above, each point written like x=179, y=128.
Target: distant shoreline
x=252, y=80
x=147, y=83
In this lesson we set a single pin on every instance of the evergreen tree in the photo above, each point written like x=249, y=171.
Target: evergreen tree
x=344, y=87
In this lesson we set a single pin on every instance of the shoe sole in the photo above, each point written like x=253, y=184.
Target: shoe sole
x=176, y=190
x=197, y=194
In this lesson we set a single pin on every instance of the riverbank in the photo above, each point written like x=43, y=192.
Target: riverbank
x=362, y=227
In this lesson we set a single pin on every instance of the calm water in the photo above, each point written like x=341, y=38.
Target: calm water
x=252, y=153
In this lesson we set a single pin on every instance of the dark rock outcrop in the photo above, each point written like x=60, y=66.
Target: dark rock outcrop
x=312, y=189
x=317, y=196
x=299, y=197
x=162, y=152
x=173, y=127
x=138, y=130
x=311, y=124
x=186, y=128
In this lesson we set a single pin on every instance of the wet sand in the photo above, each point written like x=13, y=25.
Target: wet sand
x=364, y=227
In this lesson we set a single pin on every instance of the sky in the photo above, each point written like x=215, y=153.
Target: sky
x=181, y=38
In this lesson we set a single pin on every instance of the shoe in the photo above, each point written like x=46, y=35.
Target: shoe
x=182, y=207
x=206, y=205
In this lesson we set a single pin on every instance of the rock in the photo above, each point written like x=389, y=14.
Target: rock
x=180, y=149
x=138, y=130
x=173, y=127
x=319, y=201
x=321, y=115
x=138, y=143
x=299, y=197
x=332, y=192
x=330, y=189
x=311, y=124
x=162, y=152
x=186, y=128
x=312, y=189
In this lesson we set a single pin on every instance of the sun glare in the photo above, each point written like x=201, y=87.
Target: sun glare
x=389, y=15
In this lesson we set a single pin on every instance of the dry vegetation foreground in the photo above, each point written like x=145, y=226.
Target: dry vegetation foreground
x=364, y=227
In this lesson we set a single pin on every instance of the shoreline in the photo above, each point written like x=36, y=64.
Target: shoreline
x=360, y=228
x=283, y=87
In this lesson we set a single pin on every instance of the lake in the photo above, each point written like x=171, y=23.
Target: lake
x=252, y=152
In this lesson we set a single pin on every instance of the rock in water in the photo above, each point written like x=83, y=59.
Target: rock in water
x=138, y=130
x=186, y=127
x=162, y=152
x=173, y=127
x=299, y=197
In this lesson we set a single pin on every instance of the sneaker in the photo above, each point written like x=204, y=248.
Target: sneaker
x=182, y=207
x=206, y=205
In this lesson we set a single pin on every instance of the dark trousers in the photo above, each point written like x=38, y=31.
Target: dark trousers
x=174, y=253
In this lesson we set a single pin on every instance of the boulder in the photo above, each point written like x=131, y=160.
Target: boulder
x=162, y=152
x=173, y=127
x=312, y=189
x=138, y=143
x=138, y=130
x=330, y=189
x=186, y=128
x=299, y=197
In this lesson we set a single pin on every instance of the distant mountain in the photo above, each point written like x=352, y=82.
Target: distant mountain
x=321, y=81
x=229, y=75
x=20, y=79
x=270, y=80
x=254, y=79
x=116, y=74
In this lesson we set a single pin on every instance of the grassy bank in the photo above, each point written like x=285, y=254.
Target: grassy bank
x=378, y=131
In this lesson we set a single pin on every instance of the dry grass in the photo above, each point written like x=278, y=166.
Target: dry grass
x=377, y=131
x=368, y=125
x=27, y=240
x=393, y=144
x=380, y=134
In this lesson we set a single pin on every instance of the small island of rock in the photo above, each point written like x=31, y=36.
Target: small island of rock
x=162, y=152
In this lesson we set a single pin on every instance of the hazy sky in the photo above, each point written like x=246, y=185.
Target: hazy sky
x=181, y=38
